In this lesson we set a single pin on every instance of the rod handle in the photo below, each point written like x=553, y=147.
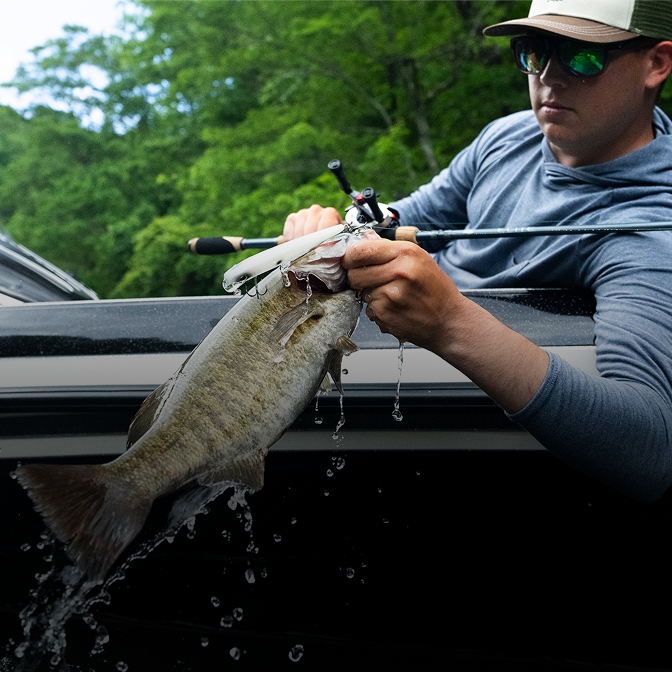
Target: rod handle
x=406, y=234
x=223, y=245
x=219, y=245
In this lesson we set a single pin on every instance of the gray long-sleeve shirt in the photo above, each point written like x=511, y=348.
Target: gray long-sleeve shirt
x=616, y=427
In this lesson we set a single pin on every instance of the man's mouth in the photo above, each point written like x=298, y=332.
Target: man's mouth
x=553, y=105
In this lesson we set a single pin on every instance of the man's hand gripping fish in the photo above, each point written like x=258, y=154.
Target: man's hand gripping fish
x=214, y=420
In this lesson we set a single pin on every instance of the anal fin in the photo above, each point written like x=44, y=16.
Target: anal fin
x=246, y=470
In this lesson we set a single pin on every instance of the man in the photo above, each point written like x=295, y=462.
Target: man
x=594, y=149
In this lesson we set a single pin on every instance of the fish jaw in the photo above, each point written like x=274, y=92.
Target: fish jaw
x=324, y=261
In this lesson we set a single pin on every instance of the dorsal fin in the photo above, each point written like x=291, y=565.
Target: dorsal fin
x=148, y=412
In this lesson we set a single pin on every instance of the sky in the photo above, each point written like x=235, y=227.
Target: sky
x=29, y=23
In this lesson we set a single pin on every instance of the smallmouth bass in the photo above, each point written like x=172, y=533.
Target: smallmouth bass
x=214, y=420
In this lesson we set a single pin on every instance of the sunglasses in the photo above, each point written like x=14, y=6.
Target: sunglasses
x=578, y=59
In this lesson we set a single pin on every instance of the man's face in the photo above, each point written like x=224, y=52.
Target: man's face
x=596, y=119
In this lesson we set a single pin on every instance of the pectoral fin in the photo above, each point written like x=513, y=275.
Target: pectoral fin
x=288, y=323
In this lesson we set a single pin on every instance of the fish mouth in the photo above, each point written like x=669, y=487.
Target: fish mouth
x=317, y=285
x=320, y=269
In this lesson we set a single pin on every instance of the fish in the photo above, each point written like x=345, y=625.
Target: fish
x=214, y=420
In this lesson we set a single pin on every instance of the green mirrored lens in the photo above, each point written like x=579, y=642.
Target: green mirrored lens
x=586, y=61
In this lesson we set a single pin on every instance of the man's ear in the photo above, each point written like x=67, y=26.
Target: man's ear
x=660, y=64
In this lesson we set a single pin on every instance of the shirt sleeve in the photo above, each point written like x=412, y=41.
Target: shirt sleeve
x=617, y=427
x=442, y=203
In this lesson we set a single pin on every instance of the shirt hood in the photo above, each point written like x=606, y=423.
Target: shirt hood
x=623, y=170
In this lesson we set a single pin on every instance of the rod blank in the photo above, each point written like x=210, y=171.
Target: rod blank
x=228, y=244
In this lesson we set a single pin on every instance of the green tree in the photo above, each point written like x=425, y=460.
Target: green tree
x=220, y=117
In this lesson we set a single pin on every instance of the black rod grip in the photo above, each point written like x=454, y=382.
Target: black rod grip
x=215, y=246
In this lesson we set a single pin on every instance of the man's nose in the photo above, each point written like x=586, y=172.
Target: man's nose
x=554, y=74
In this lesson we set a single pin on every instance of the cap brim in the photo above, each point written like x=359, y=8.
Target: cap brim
x=568, y=26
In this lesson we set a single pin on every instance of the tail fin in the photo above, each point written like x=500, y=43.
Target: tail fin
x=86, y=507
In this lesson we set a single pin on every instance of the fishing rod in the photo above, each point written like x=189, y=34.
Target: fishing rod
x=366, y=210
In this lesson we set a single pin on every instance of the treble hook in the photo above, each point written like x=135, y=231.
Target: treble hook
x=256, y=291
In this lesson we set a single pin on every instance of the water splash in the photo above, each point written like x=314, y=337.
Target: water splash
x=64, y=592
x=296, y=653
x=396, y=414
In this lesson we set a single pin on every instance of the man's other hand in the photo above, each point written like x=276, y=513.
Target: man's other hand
x=308, y=220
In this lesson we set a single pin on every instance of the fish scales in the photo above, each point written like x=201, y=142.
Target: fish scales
x=213, y=421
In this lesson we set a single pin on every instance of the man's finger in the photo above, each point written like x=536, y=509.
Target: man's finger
x=376, y=251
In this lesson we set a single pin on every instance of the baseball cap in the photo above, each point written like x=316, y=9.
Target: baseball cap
x=594, y=20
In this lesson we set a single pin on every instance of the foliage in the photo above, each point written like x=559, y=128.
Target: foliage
x=219, y=118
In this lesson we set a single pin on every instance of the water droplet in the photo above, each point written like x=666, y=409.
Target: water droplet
x=226, y=622
x=340, y=463
x=318, y=421
x=170, y=539
x=417, y=473
x=121, y=666
x=396, y=414
x=249, y=575
x=341, y=421
x=363, y=564
x=296, y=652
x=215, y=601
x=277, y=537
x=238, y=614
x=264, y=573
x=13, y=475
x=40, y=545
x=102, y=638
x=386, y=521
x=380, y=490
x=89, y=620
x=345, y=371
x=330, y=473
x=191, y=522
x=326, y=492
x=235, y=653
x=349, y=572
x=293, y=520
x=205, y=641
x=24, y=547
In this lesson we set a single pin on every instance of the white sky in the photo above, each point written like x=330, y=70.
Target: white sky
x=25, y=24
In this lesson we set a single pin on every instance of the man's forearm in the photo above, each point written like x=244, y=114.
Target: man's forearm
x=504, y=364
